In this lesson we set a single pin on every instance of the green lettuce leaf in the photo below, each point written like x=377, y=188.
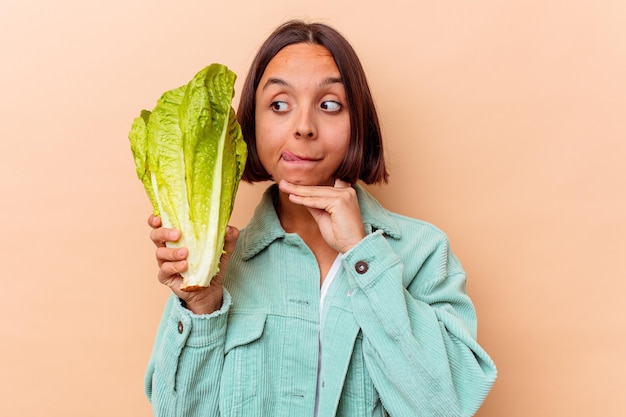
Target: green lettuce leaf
x=190, y=154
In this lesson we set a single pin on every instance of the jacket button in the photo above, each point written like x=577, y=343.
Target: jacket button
x=361, y=267
x=180, y=327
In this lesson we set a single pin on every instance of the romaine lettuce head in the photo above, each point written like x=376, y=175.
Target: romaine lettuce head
x=190, y=154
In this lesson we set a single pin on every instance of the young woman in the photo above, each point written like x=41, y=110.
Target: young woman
x=326, y=304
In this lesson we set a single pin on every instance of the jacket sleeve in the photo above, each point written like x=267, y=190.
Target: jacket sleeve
x=419, y=327
x=184, y=372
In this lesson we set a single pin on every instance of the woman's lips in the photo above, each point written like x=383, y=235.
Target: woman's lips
x=291, y=157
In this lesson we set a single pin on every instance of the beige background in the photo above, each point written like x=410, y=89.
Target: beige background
x=504, y=124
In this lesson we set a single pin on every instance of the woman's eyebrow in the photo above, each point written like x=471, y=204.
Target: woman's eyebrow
x=331, y=80
x=283, y=83
x=275, y=81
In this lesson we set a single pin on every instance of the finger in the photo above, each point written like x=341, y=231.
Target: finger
x=303, y=190
x=172, y=281
x=311, y=202
x=154, y=221
x=165, y=254
x=162, y=235
x=339, y=183
x=307, y=190
x=171, y=270
x=230, y=239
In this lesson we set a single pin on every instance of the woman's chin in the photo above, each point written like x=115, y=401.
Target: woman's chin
x=308, y=181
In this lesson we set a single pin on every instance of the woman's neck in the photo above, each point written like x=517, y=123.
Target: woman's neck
x=297, y=219
x=294, y=218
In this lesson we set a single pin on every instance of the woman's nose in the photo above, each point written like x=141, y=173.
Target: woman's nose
x=304, y=134
x=305, y=124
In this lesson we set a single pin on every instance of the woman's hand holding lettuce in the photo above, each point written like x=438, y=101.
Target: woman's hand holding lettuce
x=173, y=261
x=190, y=155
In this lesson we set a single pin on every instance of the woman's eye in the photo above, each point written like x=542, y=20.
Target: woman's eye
x=279, y=106
x=330, y=106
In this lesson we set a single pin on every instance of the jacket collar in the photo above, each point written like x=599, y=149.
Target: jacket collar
x=265, y=227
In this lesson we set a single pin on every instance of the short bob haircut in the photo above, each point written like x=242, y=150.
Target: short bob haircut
x=364, y=159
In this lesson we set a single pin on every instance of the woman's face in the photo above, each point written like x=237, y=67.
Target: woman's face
x=302, y=116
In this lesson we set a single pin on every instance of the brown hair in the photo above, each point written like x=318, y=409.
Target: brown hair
x=364, y=159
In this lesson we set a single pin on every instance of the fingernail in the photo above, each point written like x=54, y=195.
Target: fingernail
x=173, y=234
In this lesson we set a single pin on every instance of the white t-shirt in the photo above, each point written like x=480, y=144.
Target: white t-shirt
x=332, y=272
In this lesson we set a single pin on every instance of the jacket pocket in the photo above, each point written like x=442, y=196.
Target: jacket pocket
x=242, y=373
x=243, y=329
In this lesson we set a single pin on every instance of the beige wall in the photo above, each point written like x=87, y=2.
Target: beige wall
x=504, y=124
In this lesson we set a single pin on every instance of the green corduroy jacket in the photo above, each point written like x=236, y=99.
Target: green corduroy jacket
x=397, y=337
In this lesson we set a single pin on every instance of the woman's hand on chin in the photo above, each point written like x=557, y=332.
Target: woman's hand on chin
x=334, y=208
